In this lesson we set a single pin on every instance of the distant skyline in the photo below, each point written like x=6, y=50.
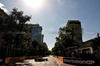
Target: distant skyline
x=53, y=14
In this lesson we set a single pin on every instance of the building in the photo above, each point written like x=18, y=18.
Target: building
x=78, y=35
x=86, y=47
x=36, y=32
x=4, y=16
x=90, y=47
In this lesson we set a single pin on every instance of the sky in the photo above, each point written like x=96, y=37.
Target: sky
x=53, y=14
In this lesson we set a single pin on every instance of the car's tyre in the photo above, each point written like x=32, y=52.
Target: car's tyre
x=46, y=59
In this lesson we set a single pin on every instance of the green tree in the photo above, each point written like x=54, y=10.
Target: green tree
x=38, y=49
x=15, y=28
x=17, y=17
x=66, y=39
x=17, y=34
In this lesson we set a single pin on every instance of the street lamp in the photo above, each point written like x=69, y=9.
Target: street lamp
x=98, y=35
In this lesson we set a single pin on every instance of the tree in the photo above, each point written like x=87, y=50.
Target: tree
x=17, y=34
x=66, y=39
x=15, y=28
x=19, y=19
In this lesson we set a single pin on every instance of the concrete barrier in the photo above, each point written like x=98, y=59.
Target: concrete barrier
x=79, y=61
x=14, y=59
x=60, y=58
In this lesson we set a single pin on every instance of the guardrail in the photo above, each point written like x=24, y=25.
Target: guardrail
x=60, y=58
x=15, y=59
x=79, y=61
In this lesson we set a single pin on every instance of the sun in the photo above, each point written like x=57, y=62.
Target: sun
x=34, y=3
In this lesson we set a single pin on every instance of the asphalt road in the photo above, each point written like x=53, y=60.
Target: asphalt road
x=51, y=62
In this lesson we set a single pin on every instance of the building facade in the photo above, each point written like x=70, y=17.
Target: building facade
x=78, y=34
x=4, y=16
x=90, y=44
x=36, y=32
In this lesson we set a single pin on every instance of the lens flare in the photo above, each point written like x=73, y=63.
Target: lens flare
x=34, y=3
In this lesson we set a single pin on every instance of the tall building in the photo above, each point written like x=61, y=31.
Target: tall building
x=78, y=35
x=36, y=32
x=4, y=16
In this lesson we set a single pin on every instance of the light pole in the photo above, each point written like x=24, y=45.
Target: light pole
x=98, y=35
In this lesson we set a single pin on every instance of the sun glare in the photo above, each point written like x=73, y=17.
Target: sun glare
x=34, y=3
